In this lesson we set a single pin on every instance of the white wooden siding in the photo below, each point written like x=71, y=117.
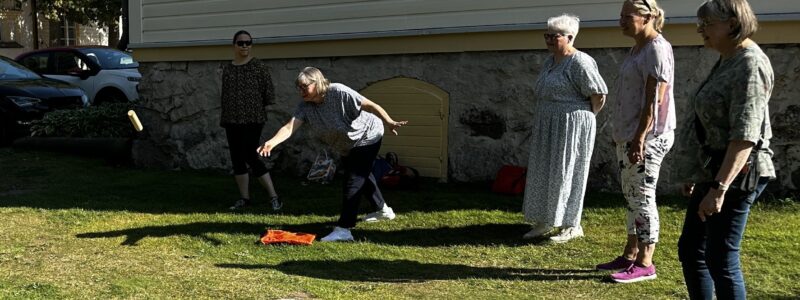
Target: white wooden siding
x=172, y=22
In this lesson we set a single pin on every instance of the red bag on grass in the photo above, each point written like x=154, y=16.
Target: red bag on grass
x=286, y=237
x=510, y=180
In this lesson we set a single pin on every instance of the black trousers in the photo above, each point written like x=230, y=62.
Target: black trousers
x=243, y=140
x=359, y=182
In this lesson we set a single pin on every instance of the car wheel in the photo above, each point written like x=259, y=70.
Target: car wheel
x=110, y=96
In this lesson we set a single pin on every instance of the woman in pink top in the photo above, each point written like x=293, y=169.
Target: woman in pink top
x=643, y=132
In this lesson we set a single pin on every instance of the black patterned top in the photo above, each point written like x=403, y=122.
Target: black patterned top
x=246, y=91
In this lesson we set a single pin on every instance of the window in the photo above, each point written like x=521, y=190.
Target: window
x=10, y=5
x=36, y=62
x=68, y=63
x=63, y=33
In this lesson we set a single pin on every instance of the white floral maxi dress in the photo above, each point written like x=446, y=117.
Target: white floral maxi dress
x=563, y=133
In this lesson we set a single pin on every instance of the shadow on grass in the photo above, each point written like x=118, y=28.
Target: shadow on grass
x=199, y=230
x=489, y=234
x=50, y=181
x=402, y=271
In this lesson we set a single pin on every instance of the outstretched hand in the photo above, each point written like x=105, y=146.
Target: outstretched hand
x=394, y=125
x=265, y=149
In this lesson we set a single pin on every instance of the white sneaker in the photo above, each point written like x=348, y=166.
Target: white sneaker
x=386, y=213
x=537, y=231
x=338, y=234
x=567, y=234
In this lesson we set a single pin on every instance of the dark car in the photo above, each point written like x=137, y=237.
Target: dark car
x=25, y=96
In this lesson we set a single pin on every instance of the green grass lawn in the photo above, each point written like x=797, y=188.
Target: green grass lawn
x=82, y=228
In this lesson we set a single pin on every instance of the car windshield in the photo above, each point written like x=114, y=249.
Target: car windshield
x=110, y=58
x=11, y=70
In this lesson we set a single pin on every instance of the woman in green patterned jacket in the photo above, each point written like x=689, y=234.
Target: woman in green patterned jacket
x=733, y=130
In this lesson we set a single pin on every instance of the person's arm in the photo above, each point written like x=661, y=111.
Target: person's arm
x=598, y=101
x=282, y=135
x=268, y=89
x=654, y=93
x=376, y=109
x=735, y=158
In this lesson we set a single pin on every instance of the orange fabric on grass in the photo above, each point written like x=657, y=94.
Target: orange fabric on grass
x=280, y=236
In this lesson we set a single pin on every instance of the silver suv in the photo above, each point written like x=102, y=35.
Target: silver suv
x=105, y=74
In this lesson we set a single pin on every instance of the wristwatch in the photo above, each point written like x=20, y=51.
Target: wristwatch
x=718, y=185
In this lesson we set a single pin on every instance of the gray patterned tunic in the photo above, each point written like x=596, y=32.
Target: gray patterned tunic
x=339, y=120
x=563, y=132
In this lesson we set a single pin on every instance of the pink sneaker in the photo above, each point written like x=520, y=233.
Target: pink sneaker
x=635, y=273
x=618, y=264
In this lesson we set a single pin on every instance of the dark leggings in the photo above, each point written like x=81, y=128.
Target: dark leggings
x=359, y=182
x=243, y=140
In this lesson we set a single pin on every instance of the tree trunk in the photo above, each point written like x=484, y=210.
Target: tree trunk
x=35, y=21
x=113, y=33
x=124, y=39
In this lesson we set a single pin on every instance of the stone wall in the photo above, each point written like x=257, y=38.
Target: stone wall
x=490, y=107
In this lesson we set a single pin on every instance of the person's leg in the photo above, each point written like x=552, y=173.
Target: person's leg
x=252, y=139
x=236, y=148
x=725, y=231
x=359, y=181
x=640, y=191
x=243, y=184
x=631, y=249
x=647, y=221
x=630, y=191
x=351, y=191
x=692, y=249
x=266, y=182
x=631, y=178
x=364, y=169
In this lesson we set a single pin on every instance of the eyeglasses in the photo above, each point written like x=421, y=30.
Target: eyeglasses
x=703, y=23
x=244, y=43
x=302, y=87
x=552, y=36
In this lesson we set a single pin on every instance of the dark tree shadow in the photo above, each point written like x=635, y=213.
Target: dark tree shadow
x=403, y=271
x=489, y=234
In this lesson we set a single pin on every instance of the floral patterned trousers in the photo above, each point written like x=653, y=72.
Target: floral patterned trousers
x=639, y=186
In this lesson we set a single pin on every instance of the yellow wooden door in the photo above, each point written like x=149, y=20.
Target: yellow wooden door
x=422, y=144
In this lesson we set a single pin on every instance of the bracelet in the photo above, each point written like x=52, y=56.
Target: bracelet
x=718, y=185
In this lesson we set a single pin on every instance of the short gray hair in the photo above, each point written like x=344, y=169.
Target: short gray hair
x=745, y=23
x=566, y=24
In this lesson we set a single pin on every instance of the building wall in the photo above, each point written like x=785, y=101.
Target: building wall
x=157, y=23
x=17, y=26
x=490, y=108
x=13, y=28
x=484, y=54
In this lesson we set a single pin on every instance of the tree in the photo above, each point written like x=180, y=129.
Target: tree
x=104, y=13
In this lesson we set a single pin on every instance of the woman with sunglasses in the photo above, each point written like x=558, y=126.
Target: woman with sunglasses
x=733, y=129
x=567, y=94
x=351, y=124
x=246, y=91
x=644, y=125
